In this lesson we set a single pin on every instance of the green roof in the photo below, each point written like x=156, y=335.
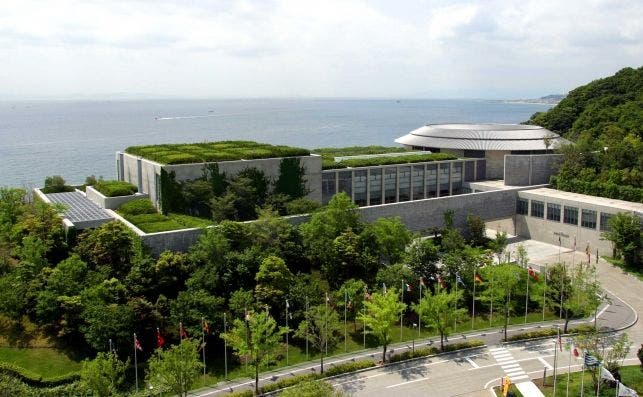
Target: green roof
x=365, y=156
x=187, y=153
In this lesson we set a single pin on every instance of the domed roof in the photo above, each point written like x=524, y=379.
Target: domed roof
x=482, y=137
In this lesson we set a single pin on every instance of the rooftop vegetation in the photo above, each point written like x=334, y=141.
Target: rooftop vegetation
x=187, y=153
x=115, y=188
x=145, y=217
x=329, y=155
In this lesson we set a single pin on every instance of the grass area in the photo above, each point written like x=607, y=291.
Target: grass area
x=47, y=362
x=631, y=376
x=115, y=188
x=329, y=154
x=512, y=388
x=638, y=272
x=152, y=223
x=188, y=153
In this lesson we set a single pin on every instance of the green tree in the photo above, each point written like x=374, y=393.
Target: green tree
x=255, y=340
x=291, y=181
x=273, y=280
x=382, y=313
x=175, y=368
x=437, y=311
x=499, y=244
x=109, y=248
x=346, y=258
x=504, y=279
x=476, y=231
x=55, y=184
x=625, y=235
x=609, y=348
x=391, y=237
x=422, y=258
x=573, y=292
x=104, y=374
x=321, y=328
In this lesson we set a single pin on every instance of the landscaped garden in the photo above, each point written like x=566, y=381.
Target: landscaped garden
x=370, y=157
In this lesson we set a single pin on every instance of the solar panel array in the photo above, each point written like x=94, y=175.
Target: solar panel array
x=79, y=208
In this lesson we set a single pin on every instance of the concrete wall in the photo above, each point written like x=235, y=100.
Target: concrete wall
x=111, y=203
x=496, y=163
x=532, y=169
x=145, y=173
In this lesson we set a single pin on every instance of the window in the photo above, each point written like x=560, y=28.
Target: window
x=444, y=179
x=431, y=180
x=345, y=182
x=588, y=219
x=605, y=222
x=537, y=209
x=405, y=183
x=570, y=215
x=390, y=185
x=375, y=186
x=418, y=182
x=553, y=212
x=359, y=187
x=522, y=206
x=469, y=171
x=474, y=154
x=481, y=170
x=328, y=186
x=456, y=178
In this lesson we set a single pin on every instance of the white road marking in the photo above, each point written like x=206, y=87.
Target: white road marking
x=359, y=379
x=545, y=363
x=510, y=366
x=515, y=378
x=405, y=383
x=470, y=361
x=495, y=349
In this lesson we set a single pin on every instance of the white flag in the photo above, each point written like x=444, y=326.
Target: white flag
x=605, y=374
x=624, y=391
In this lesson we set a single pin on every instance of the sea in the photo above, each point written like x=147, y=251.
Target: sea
x=78, y=138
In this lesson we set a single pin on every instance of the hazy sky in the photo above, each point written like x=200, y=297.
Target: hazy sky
x=319, y=48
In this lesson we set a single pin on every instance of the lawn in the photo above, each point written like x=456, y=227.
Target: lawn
x=153, y=223
x=46, y=362
x=631, y=376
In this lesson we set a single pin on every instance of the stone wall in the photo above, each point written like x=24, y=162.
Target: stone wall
x=531, y=169
x=111, y=203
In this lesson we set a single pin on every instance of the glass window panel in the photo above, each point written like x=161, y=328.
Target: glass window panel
x=456, y=178
x=444, y=179
x=522, y=206
x=375, y=186
x=469, y=171
x=537, y=209
x=570, y=215
x=405, y=183
x=553, y=212
x=328, y=186
x=344, y=182
x=418, y=182
x=481, y=173
x=390, y=185
x=605, y=219
x=588, y=219
x=431, y=180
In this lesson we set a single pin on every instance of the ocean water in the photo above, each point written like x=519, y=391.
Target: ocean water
x=79, y=138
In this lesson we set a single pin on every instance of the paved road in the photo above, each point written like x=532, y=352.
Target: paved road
x=471, y=373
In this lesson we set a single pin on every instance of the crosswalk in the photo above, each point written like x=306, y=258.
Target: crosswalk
x=509, y=364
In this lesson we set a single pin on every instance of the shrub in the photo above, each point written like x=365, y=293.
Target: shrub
x=544, y=332
x=115, y=188
x=463, y=345
x=409, y=354
x=33, y=379
x=348, y=367
x=56, y=184
x=287, y=382
x=301, y=206
x=137, y=207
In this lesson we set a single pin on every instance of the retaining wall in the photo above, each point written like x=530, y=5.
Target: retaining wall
x=530, y=169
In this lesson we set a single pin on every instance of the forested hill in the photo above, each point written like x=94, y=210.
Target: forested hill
x=612, y=101
x=605, y=120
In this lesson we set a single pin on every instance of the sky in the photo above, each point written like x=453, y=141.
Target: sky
x=301, y=48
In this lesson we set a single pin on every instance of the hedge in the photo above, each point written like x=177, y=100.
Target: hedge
x=544, y=332
x=598, y=188
x=33, y=379
x=115, y=188
x=429, y=351
x=137, y=207
x=386, y=160
x=213, y=152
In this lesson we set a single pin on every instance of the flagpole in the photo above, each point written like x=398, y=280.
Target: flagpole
x=402, y=312
x=455, y=318
x=420, y=312
x=569, y=368
x=556, y=361
x=307, y=327
x=544, y=291
x=287, y=357
x=492, y=299
x=203, y=339
x=225, y=347
x=582, y=378
x=135, y=363
x=345, y=307
x=527, y=297
x=363, y=322
x=326, y=326
x=598, y=384
x=473, y=299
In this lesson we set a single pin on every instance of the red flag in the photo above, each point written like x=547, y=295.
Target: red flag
x=160, y=341
x=182, y=332
x=137, y=344
x=206, y=326
x=441, y=282
x=478, y=278
x=533, y=273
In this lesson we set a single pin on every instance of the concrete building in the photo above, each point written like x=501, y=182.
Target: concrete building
x=489, y=141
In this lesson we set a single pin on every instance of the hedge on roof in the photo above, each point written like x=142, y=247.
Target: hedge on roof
x=115, y=188
x=213, y=151
x=386, y=160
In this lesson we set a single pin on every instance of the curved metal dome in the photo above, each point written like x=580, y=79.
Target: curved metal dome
x=482, y=137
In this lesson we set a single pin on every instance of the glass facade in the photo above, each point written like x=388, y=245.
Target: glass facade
x=359, y=187
x=570, y=215
x=605, y=219
x=537, y=209
x=456, y=178
x=328, y=186
x=522, y=206
x=481, y=173
x=375, y=186
x=390, y=185
x=345, y=182
x=404, y=175
x=588, y=219
x=444, y=179
x=431, y=180
x=469, y=171
x=418, y=182
x=553, y=212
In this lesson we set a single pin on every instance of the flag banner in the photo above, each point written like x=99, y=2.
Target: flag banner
x=441, y=282
x=407, y=287
x=560, y=341
x=287, y=304
x=206, y=327
x=422, y=282
x=591, y=361
x=478, y=278
x=137, y=344
x=575, y=352
x=160, y=340
x=349, y=304
x=532, y=273
x=458, y=279
x=624, y=391
x=367, y=296
x=247, y=316
x=384, y=287
x=182, y=332
x=605, y=374
x=327, y=298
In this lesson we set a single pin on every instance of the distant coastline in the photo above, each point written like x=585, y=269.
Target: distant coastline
x=552, y=99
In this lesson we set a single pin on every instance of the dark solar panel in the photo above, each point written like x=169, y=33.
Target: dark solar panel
x=79, y=208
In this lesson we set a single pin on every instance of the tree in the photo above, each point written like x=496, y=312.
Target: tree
x=255, y=340
x=104, y=374
x=321, y=328
x=273, y=280
x=55, y=184
x=108, y=248
x=609, y=348
x=499, y=244
x=575, y=292
x=505, y=279
x=422, y=258
x=625, y=235
x=175, y=368
x=476, y=231
x=291, y=181
x=437, y=311
x=345, y=258
x=391, y=237
x=382, y=313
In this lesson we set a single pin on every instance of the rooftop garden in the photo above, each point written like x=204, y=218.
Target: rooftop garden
x=115, y=188
x=145, y=217
x=213, y=151
x=406, y=156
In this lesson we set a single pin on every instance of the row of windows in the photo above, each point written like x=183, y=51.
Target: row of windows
x=588, y=218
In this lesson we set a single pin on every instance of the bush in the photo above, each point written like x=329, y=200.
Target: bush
x=56, y=184
x=137, y=207
x=115, y=188
x=301, y=206
x=287, y=382
x=348, y=367
x=33, y=379
x=544, y=332
x=463, y=345
x=409, y=354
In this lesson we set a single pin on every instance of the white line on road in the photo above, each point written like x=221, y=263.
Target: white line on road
x=515, y=378
x=545, y=363
x=358, y=379
x=405, y=383
x=510, y=366
x=470, y=361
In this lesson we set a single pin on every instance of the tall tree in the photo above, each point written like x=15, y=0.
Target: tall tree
x=273, y=280
x=382, y=313
x=437, y=311
x=391, y=237
x=625, y=235
x=506, y=279
x=321, y=328
x=255, y=340
x=104, y=374
x=175, y=368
